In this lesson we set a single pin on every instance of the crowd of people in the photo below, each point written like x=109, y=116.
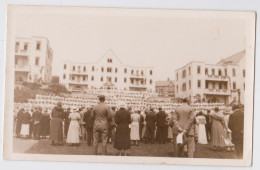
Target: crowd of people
x=185, y=125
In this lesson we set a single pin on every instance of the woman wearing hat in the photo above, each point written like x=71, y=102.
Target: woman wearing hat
x=122, y=135
x=73, y=132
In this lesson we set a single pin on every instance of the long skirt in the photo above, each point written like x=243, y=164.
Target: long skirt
x=217, y=134
x=25, y=129
x=170, y=135
x=73, y=132
x=202, y=136
x=56, y=130
x=44, y=127
x=122, y=137
x=134, y=134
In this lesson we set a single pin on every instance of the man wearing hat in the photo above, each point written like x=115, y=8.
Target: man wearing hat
x=161, y=133
x=102, y=115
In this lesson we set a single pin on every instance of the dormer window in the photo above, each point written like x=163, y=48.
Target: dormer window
x=109, y=60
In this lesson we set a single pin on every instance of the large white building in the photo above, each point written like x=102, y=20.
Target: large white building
x=224, y=81
x=33, y=60
x=107, y=72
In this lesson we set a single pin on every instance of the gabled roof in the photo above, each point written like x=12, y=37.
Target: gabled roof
x=163, y=83
x=109, y=52
x=232, y=60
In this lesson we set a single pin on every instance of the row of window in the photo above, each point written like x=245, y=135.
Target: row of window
x=25, y=46
x=109, y=69
x=109, y=79
x=212, y=72
x=221, y=86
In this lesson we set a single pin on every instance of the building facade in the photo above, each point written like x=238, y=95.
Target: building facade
x=221, y=82
x=107, y=72
x=165, y=88
x=33, y=60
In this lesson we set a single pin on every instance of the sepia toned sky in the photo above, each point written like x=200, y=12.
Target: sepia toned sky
x=161, y=39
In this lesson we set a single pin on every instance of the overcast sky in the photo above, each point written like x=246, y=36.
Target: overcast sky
x=166, y=42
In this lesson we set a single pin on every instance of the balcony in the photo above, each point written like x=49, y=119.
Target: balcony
x=21, y=51
x=137, y=85
x=217, y=78
x=22, y=68
x=78, y=72
x=217, y=91
x=80, y=82
x=137, y=76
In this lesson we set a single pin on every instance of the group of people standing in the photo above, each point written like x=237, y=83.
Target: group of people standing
x=125, y=127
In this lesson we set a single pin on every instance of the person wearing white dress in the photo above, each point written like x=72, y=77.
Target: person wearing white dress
x=202, y=137
x=74, y=129
x=134, y=133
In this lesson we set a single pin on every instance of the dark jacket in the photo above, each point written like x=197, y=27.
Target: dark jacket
x=26, y=118
x=150, y=119
x=236, y=124
x=88, y=119
x=161, y=119
x=36, y=116
x=57, y=112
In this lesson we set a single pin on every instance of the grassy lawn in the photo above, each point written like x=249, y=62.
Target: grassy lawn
x=166, y=150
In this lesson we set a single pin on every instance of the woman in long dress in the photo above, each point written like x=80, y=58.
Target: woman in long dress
x=202, y=136
x=26, y=124
x=122, y=135
x=74, y=129
x=217, y=129
x=45, y=124
x=56, y=134
x=134, y=134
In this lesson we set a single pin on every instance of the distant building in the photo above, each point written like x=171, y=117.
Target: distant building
x=224, y=81
x=165, y=88
x=33, y=60
x=107, y=72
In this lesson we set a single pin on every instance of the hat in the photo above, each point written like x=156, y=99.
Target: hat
x=122, y=104
x=101, y=98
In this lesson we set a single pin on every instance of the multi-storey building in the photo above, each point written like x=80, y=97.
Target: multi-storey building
x=107, y=72
x=165, y=88
x=224, y=81
x=33, y=60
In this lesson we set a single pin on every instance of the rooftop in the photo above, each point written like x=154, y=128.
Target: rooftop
x=232, y=60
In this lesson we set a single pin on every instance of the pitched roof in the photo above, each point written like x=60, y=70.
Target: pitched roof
x=163, y=83
x=234, y=59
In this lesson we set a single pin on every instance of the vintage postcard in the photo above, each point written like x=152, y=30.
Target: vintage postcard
x=119, y=85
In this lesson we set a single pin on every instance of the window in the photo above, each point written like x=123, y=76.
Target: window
x=38, y=45
x=102, y=69
x=64, y=76
x=65, y=66
x=109, y=69
x=244, y=73
x=206, y=71
x=92, y=78
x=115, y=79
x=93, y=68
x=234, y=72
x=101, y=79
x=115, y=70
x=225, y=72
x=73, y=78
x=151, y=81
x=25, y=46
x=74, y=68
x=183, y=73
x=109, y=60
x=84, y=78
x=37, y=61
x=220, y=86
x=151, y=72
x=125, y=70
x=234, y=85
x=79, y=68
x=189, y=84
x=207, y=85
x=132, y=81
x=213, y=72
x=219, y=72
x=184, y=87
x=17, y=46
x=125, y=80
x=142, y=72
x=189, y=71
x=132, y=71
x=198, y=69
x=199, y=83
x=84, y=68
x=176, y=76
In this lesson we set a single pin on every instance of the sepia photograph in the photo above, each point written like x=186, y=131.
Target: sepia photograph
x=123, y=85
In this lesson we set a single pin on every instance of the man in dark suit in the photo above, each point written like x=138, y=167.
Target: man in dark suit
x=89, y=126
x=150, y=126
x=161, y=126
x=36, y=118
x=183, y=121
x=236, y=125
